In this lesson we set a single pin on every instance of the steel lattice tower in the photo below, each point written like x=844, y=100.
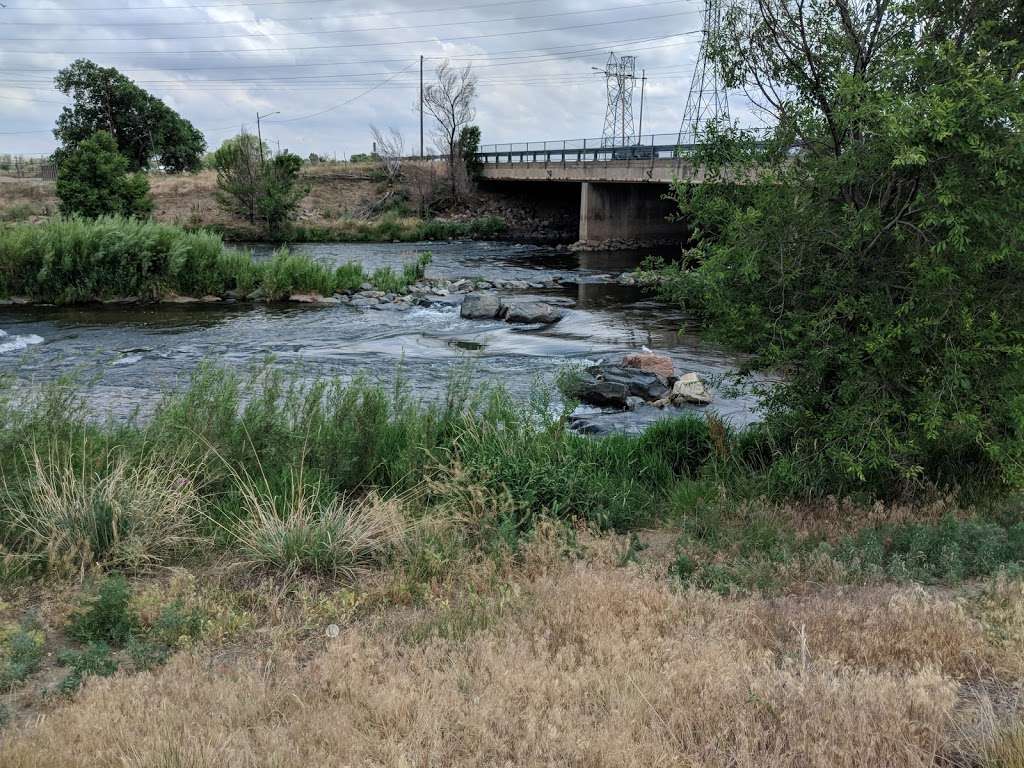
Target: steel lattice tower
x=708, y=99
x=620, y=77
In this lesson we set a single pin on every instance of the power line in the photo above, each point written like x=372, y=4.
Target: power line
x=343, y=103
x=348, y=30
x=166, y=7
x=207, y=22
x=291, y=80
x=372, y=45
x=514, y=54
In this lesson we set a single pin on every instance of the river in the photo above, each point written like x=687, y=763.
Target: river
x=126, y=356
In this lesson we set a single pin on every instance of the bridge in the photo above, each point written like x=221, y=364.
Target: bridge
x=621, y=189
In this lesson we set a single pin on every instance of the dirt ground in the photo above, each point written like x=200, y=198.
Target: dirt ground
x=337, y=192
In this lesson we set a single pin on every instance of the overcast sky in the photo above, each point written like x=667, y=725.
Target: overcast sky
x=331, y=67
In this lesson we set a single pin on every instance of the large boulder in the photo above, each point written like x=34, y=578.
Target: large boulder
x=593, y=390
x=690, y=389
x=481, y=306
x=614, y=386
x=533, y=312
x=651, y=362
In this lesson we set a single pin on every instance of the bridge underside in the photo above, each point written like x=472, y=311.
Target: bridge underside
x=618, y=201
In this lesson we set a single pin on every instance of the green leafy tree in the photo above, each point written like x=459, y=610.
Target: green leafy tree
x=94, y=181
x=469, y=146
x=239, y=162
x=143, y=126
x=261, y=188
x=879, y=265
x=281, y=193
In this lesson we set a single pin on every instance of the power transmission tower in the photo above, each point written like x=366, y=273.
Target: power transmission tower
x=708, y=100
x=620, y=77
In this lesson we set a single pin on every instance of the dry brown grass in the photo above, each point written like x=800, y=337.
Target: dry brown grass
x=335, y=190
x=586, y=665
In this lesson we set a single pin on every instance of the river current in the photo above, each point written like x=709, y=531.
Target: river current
x=126, y=356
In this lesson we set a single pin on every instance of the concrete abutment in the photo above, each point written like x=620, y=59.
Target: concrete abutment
x=635, y=212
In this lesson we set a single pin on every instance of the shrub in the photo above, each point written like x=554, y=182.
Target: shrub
x=259, y=187
x=895, y=315
x=280, y=193
x=94, y=181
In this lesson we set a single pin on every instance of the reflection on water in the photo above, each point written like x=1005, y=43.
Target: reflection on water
x=130, y=354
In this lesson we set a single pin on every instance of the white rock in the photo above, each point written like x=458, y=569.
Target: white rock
x=690, y=389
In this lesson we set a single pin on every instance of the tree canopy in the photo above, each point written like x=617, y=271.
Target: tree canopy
x=143, y=127
x=876, y=260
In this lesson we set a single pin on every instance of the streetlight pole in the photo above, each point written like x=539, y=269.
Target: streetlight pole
x=643, y=86
x=259, y=132
x=421, y=107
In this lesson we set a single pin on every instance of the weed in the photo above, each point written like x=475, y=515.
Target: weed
x=107, y=617
x=20, y=655
x=96, y=659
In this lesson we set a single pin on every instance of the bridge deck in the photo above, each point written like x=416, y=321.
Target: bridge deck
x=631, y=171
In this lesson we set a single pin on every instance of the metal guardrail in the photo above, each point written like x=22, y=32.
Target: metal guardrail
x=650, y=147
x=653, y=146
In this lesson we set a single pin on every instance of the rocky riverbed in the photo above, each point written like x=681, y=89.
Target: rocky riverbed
x=126, y=354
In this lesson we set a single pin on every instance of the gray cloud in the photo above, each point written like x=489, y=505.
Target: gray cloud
x=218, y=63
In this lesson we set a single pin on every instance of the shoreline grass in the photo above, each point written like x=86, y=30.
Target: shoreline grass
x=388, y=228
x=72, y=261
x=654, y=597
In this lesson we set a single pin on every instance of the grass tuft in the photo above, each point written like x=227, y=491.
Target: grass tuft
x=128, y=514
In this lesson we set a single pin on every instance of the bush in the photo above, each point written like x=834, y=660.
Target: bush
x=257, y=186
x=894, y=315
x=94, y=181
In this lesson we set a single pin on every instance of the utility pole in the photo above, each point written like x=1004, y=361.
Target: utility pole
x=421, y=107
x=643, y=87
x=259, y=132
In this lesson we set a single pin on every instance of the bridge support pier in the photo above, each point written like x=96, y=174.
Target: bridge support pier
x=616, y=211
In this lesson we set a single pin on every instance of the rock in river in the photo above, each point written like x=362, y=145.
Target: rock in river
x=651, y=362
x=690, y=389
x=481, y=306
x=533, y=312
x=613, y=386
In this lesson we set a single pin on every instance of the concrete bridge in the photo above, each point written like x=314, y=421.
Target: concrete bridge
x=621, y=189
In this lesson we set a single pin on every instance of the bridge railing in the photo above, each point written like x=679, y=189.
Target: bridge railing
x=652, y=146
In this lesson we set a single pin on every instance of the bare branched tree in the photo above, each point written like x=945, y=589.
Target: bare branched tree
x=390, y=150
x=450, y=102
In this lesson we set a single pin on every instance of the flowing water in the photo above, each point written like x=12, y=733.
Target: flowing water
x=126, y=356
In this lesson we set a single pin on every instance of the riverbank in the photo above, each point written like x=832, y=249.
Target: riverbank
x=344, y=204
x=125, y=261
x=272, y=539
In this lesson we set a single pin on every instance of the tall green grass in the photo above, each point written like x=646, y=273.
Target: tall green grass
x=68, y=261
x=289, y=474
